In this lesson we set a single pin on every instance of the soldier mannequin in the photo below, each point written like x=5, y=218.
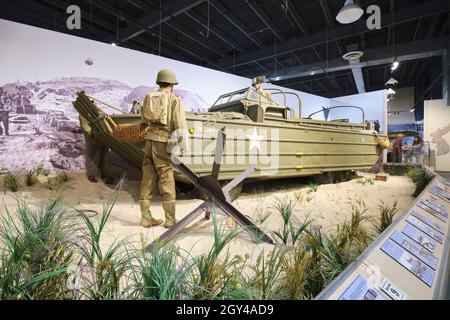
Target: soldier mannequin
x=5, y=109
x=164, y=113
x=2, y=103
x=95, y=154
x=257, y=85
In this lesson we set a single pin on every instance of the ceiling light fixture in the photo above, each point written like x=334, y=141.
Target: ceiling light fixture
x=349, y=13
x=395, y=65
x=391, y=82
x=390, y=92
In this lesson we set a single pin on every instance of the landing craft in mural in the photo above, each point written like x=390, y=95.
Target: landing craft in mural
x=193, y=102
x=442, y=145
x=38, y=124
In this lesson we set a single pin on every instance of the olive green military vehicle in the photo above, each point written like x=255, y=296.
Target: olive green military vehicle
x=258, y=131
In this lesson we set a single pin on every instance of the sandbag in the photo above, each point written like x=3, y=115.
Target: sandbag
x=383, y=142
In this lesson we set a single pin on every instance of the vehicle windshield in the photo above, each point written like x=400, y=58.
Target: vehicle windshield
x=248, y=93
x=257, y=96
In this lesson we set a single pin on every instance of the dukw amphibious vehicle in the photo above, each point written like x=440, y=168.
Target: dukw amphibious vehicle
x=258, y=131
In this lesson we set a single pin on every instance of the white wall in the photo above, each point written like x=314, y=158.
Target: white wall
x=403, y=102
x=53, y=66
x=32, y=54
x=309, y=102
x=437, y=123
x=373, y=103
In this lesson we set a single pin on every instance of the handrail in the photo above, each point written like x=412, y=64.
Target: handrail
x=284, y=93
x=329, y=108
x=278, y=91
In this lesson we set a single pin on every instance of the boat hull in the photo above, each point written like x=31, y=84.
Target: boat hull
x=279, y=150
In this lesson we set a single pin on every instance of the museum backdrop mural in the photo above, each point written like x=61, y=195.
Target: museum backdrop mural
x=41, y=71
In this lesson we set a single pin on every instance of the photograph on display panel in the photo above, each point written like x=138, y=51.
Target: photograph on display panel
x=429, y=222
x=424, y=205
x=420, y=237
x=409, y=261
x=361, y=289
x=418, y=251
x=425, y=228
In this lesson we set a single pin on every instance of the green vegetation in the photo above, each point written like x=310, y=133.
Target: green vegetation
x=46, y=253
x=312, y=187
x=63, y=177
x=31, y=176
x=292, y=229
x=421, y=178
x=11, y=182
x=107, y=266
x=365, y=180
x=36, y=249
x=258, y=190
x=387, y=214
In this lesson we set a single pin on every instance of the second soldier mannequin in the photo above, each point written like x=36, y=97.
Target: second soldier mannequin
x=256, y=83
x=164, y=113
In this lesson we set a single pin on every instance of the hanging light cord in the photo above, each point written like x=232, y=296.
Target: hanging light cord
x=160, y=26
x=207, y=28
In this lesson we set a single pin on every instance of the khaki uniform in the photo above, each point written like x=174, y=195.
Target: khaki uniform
x=95, y=155
x=4, y=118
x=265, y=93
x=157, y=164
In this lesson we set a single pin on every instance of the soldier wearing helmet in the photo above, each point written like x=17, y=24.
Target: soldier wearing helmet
x=5, y=109
x=256, y=83
x=164, y=113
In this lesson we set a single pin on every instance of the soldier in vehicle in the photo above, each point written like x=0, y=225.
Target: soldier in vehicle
x=164, y=113
x=256, y=83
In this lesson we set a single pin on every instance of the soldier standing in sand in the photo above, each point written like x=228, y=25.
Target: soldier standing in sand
x=2, y=103
x=164, y=113
x=5, y=109
x=95, y=157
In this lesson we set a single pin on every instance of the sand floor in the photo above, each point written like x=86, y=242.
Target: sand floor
x=328, y=206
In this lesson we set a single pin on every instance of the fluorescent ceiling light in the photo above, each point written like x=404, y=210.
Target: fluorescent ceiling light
x=392, y=81
x=349, y=13
x=390, y=92
x=394, y=65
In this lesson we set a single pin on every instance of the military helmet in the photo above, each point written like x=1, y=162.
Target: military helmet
x=259, y=80
x=166, y=76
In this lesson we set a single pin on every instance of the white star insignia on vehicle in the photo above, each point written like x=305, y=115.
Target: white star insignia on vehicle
x=255, y=140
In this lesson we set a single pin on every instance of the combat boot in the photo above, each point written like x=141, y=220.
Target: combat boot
x=169, y=210
x=147, y=220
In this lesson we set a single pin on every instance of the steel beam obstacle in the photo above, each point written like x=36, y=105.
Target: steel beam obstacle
x=218, y=198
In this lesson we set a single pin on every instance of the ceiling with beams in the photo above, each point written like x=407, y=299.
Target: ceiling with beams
x=298, y=42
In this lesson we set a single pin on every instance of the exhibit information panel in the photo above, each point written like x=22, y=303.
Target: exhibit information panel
x=409, y=260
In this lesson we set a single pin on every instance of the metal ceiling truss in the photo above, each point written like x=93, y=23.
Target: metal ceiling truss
x=341, y=32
